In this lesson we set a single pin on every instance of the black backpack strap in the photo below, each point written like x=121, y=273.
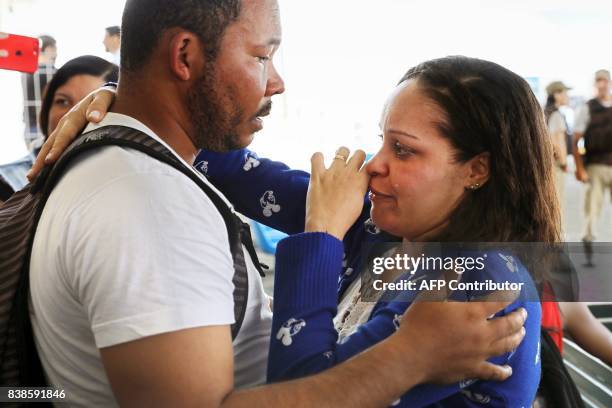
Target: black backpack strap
x=556, y=386
x=134, y=139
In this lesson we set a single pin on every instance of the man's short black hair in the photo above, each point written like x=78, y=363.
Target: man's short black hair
x=113, y=31
x=145, y=20
x=46, y=41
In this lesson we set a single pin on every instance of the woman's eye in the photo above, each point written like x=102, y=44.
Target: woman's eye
x=61, y=102
x=401, y=150
x=263, y=60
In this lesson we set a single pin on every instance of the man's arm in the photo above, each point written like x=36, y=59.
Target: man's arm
x=580, y=125
x=581, y=174
x=194, y=367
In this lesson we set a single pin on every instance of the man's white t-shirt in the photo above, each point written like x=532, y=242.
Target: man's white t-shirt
x=128, y=247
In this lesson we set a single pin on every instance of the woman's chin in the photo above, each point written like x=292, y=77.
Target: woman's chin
x=384, y=222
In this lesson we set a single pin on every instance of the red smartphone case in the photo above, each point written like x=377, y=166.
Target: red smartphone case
x=18, y=53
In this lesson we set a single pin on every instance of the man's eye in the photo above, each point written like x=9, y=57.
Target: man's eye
x=263, y=60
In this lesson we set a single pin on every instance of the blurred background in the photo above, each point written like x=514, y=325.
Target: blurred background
x=340, y=59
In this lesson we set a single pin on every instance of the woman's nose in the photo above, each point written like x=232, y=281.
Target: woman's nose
x=377, y=165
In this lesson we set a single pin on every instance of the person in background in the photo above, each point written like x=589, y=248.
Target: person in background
x=594, y=124
x=34, y=87
x=559, y=131
x=73, y=82
x=112, y=43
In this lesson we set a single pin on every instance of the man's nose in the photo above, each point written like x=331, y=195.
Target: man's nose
x=276, y=85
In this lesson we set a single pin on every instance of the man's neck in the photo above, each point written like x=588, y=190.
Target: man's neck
x=165, y=119
x=604, y=97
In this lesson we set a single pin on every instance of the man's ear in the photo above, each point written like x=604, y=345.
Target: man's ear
x=185, y=55
x=478, y=170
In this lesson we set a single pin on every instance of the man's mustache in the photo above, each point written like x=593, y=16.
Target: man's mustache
x=265, y=110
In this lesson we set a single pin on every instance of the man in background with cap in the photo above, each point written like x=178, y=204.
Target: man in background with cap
x=594, y=123
x=559, y=131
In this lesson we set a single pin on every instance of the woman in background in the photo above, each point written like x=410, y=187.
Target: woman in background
x=71, y=83
x=558, y=131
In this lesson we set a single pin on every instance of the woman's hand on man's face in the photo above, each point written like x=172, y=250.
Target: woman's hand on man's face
x=92, y=108
x=336, y=195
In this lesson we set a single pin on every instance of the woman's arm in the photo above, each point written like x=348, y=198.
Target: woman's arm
x=586, y=330
x=304, y=339
x=264, y=190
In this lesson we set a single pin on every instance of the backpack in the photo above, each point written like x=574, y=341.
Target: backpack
x=19, y=361
x=5, y=189
x=556, y=386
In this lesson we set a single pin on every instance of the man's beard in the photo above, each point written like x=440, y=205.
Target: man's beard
x=215, y=115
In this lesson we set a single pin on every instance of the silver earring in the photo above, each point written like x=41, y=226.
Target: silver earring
x=474, y=186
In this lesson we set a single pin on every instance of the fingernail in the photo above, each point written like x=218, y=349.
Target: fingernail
x=94, y=115
x=524, y=311
x=29, y=174
x=509, y=369
x=49, y=157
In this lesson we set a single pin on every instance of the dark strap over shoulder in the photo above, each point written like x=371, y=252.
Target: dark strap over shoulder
x=556, y=386
x=137, y=140
x=19, y=218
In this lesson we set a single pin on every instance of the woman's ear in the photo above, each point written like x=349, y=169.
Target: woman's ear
x=478, y=171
